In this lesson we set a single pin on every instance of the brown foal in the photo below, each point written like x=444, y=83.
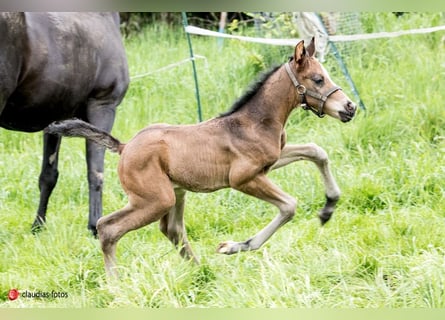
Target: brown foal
x=236, y=150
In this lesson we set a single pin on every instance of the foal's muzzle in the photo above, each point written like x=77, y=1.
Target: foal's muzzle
x=348, y=113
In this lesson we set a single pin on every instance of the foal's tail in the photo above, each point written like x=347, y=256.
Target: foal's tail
x=79, y=128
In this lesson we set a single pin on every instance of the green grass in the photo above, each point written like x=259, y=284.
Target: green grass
x=384, y=246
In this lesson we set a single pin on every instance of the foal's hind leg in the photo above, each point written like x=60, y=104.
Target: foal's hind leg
x=172, y=226
x=138, y=213
x=317, y=155
x=262, y=188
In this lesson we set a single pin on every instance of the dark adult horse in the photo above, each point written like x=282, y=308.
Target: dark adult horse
x=55, y=66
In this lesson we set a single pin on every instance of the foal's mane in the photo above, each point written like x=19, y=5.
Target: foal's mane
x=250, y=93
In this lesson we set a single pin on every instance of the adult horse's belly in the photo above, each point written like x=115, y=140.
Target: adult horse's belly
x=31, y=119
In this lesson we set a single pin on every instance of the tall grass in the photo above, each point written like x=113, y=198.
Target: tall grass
x=384, y=246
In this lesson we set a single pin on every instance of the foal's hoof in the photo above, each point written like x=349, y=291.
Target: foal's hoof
x=324, y=219
x=228, y=247
x=325, y=215
x=328, y=209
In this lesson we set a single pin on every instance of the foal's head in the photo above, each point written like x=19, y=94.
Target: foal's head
x=315, y=87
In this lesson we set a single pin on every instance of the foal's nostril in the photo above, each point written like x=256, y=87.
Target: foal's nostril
x=350, y=106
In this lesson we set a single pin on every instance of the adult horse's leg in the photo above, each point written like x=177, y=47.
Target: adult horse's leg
x=172, y=226
x=262, y=188
x=103, y=118
x=317, y=155
x=48, y=176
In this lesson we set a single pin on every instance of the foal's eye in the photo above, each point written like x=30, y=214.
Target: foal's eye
x=318, y=80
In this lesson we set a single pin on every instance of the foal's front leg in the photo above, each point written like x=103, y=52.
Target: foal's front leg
x=317, y=155
x=262, y=188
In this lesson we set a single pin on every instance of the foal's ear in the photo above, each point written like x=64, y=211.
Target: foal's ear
x=300, y=52
x=311, y=48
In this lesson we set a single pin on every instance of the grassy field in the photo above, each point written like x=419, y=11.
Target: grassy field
x=384, y=246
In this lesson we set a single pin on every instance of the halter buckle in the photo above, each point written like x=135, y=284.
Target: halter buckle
x=301, y=90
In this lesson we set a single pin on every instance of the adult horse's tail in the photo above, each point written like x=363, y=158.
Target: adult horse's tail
x=79, y=128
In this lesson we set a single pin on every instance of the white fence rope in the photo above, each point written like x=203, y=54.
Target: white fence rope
x=170, y=66
x=287, y=42
x=379, y=35
x=334, y=38
x=205, y=32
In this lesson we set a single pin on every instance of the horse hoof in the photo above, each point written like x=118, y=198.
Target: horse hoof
x=325, y=216
x=93, y=231
x=38, y=225
x=227, y=247
x=36, y=228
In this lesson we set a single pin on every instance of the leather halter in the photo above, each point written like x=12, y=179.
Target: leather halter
x=302, y=91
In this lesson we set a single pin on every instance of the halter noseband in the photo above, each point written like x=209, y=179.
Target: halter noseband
x=302, y=91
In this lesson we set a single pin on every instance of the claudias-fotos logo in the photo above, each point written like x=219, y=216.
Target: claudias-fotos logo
x=13, y=294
